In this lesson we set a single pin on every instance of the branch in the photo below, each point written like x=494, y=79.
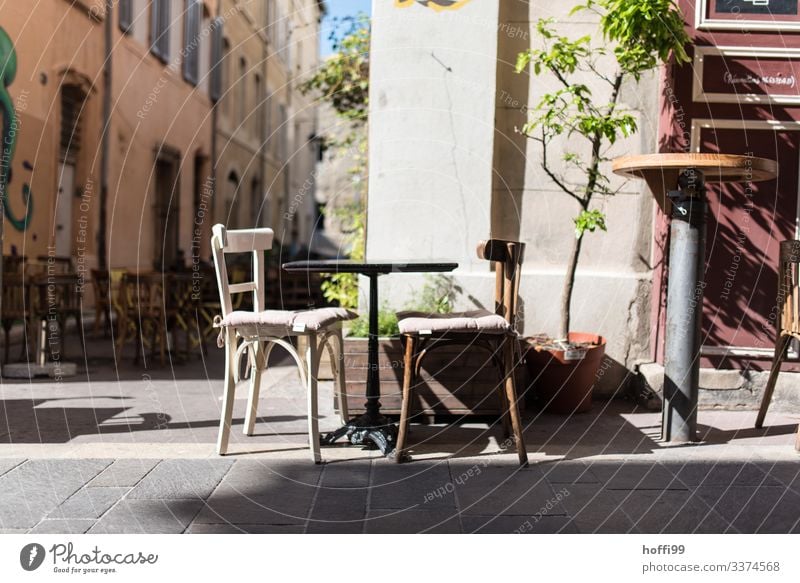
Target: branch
x=556, y=180
x=599, y=74
x=560, y=77
x=597, y=141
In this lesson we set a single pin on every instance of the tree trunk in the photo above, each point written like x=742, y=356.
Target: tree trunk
x=569, y=283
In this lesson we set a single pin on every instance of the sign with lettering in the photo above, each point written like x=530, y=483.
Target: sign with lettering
x=747, y=75
x=748, y=14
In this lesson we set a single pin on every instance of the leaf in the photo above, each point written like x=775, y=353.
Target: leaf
x=589, y=220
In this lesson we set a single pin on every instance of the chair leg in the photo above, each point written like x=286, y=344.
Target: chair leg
x=408, y=378
x=780, y=353
x=163, y=342
x=337, y=362
x=501, y=397
x=7, y=336
x=228, y=394
x=81, y=336
x=312, y=372
x=511, y=397
x=255, y=387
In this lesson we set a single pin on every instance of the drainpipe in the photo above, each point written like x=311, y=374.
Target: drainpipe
x=214, y=114
x=102, y=251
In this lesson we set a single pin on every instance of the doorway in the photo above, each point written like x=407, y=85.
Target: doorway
x=167, y=197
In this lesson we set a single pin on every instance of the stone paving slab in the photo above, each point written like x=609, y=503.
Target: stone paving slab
x=724, y=473
x=196, y=528
x=400, y=486
x=184, y=479
x=335, y=527
x=238, y=509
x=594, y=510
x=507, y=491
x=755, y=510
x=670, y=511
x=430, y=521
x=340, y=504
x=63, y=526
x=148, y=516
x=34, y=489
x=519, y=524
x=350, y=474
x=636, y=476
x=89, y=503
x=6, y=465
x=569, y=472
x=124, y=472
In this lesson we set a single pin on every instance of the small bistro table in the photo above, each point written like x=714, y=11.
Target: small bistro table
x=687, y=174
x=371, y=428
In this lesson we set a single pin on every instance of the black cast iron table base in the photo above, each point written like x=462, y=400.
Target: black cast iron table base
x=367, y=430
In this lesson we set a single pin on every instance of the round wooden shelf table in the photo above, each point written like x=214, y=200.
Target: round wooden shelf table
x=681, y=178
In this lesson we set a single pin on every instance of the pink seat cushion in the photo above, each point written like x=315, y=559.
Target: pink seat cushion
x=300, y=321
x=479, y=321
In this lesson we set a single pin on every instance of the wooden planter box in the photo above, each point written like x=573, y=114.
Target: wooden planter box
x=454, y=380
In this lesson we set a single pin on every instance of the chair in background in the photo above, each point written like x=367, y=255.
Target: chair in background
x=56, y=265
x=15, y=300
x=258, y=331
x=788, y=323
x=493, y=331
x=101, y=286
x=183, y=305
x=54, y=299
x=13, y=263
x=142, y=313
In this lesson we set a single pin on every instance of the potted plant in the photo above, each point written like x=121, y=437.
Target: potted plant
x=644, y=34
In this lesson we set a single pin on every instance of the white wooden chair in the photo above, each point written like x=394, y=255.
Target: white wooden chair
x=256, y=332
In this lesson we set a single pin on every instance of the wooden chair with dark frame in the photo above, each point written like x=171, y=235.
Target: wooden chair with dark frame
x=788, y=322
x=491, y=331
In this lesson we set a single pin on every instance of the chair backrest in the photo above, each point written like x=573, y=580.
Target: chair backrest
x=255, y=241
x=56, y=264
x=507, y=257
x=788, y=283
x=15, y=300
x=143, y=294
x=13, y=263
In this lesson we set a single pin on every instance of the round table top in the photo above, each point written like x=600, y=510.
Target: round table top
x=715, y=167
x=370, y=267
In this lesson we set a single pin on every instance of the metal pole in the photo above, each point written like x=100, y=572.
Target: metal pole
x=105, y=138
x=684, y=308
x=373, y=404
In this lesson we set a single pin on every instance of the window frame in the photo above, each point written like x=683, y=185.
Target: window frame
x=125, y=16
x=190, y=59
x=160, y=20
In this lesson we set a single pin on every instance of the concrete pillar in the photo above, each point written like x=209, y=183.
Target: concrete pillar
x=431, y=136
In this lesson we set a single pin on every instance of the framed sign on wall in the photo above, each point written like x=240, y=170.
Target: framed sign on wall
x=746, y=75
x=747, y=15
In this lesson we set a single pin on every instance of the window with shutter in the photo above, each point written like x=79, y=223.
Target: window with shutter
x=191, y=63
x=72, y=100
x=125, y=15
x=215, y=85
x=159, y=28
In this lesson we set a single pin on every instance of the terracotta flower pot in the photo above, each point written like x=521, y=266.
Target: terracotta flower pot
x=563, y=380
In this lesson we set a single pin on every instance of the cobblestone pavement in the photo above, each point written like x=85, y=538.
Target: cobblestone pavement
x=130, y=450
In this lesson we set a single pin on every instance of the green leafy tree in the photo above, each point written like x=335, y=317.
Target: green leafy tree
x=343, y=82
x=644, y=34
